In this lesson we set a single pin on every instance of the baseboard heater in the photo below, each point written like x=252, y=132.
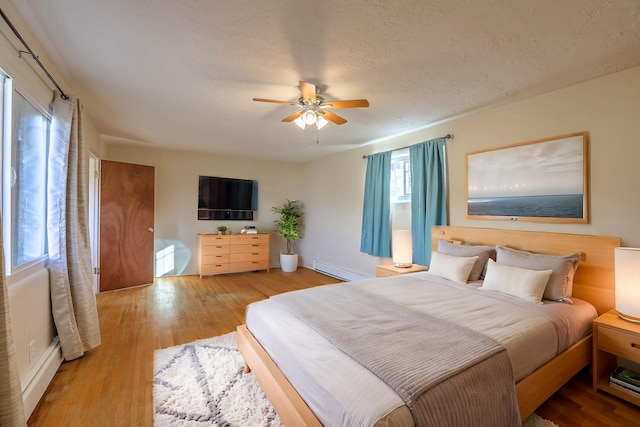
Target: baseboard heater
x=336, y=272
x=36, y=387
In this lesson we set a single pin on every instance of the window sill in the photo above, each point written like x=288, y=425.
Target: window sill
x=26, y=270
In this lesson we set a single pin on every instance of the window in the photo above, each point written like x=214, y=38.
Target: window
x=400, y=190
x=400, y=176
x=25, y=180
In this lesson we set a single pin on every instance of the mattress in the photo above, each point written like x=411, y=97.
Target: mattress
x=341, y=392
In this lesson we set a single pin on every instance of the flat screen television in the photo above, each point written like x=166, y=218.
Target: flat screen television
x=226, y=198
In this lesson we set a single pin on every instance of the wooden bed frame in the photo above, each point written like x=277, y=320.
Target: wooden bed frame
x=593, y=282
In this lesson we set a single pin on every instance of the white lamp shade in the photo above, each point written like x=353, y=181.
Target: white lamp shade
x=309, y=117
x=301, y=124
x=321, y=122
x=402, y=248
x=627, y=274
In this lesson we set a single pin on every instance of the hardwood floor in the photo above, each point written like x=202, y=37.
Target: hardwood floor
x=111, y=385
x=576, y=404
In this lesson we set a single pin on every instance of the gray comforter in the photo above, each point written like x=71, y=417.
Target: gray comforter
x=447, y=374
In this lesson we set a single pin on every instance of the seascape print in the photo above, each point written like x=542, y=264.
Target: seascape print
x=538, y=180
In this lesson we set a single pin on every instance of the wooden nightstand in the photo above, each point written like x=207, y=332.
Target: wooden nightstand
x=613, y=337
x=387, y=270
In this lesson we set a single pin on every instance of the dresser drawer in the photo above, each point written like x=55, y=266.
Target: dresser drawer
x=214, y=239
x=215, y=268
x=247, y=239
x=214, y=259
x=248, y=265
x=249, y=247
x=214, y=250
x=618, y=342
x=249, y=256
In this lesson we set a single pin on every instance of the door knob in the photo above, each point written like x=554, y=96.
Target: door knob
x=150, y=229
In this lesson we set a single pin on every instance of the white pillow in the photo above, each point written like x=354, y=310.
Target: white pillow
x=518, y=282
x=563, y=268
x=455, y=268
x=483, y=253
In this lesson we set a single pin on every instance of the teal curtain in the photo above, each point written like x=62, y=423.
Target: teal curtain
x=376, y=212
x=428, y=195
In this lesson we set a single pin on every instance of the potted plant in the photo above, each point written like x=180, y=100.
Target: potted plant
x=222, y=229
x=289, y=228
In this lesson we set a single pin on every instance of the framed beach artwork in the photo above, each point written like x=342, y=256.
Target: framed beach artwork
x=545, y=180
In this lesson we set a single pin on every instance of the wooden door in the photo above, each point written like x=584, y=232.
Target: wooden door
x=126, y=225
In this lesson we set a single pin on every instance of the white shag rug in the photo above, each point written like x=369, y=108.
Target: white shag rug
x=203, y=384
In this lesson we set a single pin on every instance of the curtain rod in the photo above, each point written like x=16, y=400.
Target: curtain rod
x=33, y=55
x=447, y=136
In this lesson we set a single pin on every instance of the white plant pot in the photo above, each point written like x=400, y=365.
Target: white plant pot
x=288, y=263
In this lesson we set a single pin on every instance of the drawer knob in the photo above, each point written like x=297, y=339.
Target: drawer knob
x=634, y=345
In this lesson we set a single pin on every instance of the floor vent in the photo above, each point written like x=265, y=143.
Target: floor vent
x=336, y=272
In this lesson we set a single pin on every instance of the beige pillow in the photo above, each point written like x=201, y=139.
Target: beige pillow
x=563, y=268
x=454, y=268
x=482, y=252
x=515, y=281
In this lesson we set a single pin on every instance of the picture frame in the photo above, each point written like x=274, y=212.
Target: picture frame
x=545, y=180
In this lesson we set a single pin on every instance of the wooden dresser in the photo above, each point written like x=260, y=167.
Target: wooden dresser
x=220, y=254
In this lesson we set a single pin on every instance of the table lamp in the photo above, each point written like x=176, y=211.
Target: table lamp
x=627, y=276
x=402, y=248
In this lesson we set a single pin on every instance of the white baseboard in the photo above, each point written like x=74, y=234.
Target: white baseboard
x=337, y=272
x=33, y=392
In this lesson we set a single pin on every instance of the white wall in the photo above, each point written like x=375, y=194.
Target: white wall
x=331, y=188
x=176, y=191
x=334, y=188
x=607, y=108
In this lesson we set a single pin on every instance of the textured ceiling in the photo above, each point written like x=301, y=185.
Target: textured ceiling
x=182, y=74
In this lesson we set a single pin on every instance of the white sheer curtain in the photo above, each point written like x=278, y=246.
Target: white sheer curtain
x=72, y=299
x=11, y=405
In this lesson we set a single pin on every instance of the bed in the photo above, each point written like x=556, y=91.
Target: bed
x=532, y=381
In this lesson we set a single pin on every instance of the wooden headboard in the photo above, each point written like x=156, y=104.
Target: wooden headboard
x=594, y=279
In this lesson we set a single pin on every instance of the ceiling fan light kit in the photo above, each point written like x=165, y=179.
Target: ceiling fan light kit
x=313, y=109
x=309, y=117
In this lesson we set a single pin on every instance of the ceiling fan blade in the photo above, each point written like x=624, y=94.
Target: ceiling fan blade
x=332, y=117
x=308, y=92
x=354, y=103
x=274, y=101
x=292, y=117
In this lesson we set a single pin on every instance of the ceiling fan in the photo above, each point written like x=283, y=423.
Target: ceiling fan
x=313, y=108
